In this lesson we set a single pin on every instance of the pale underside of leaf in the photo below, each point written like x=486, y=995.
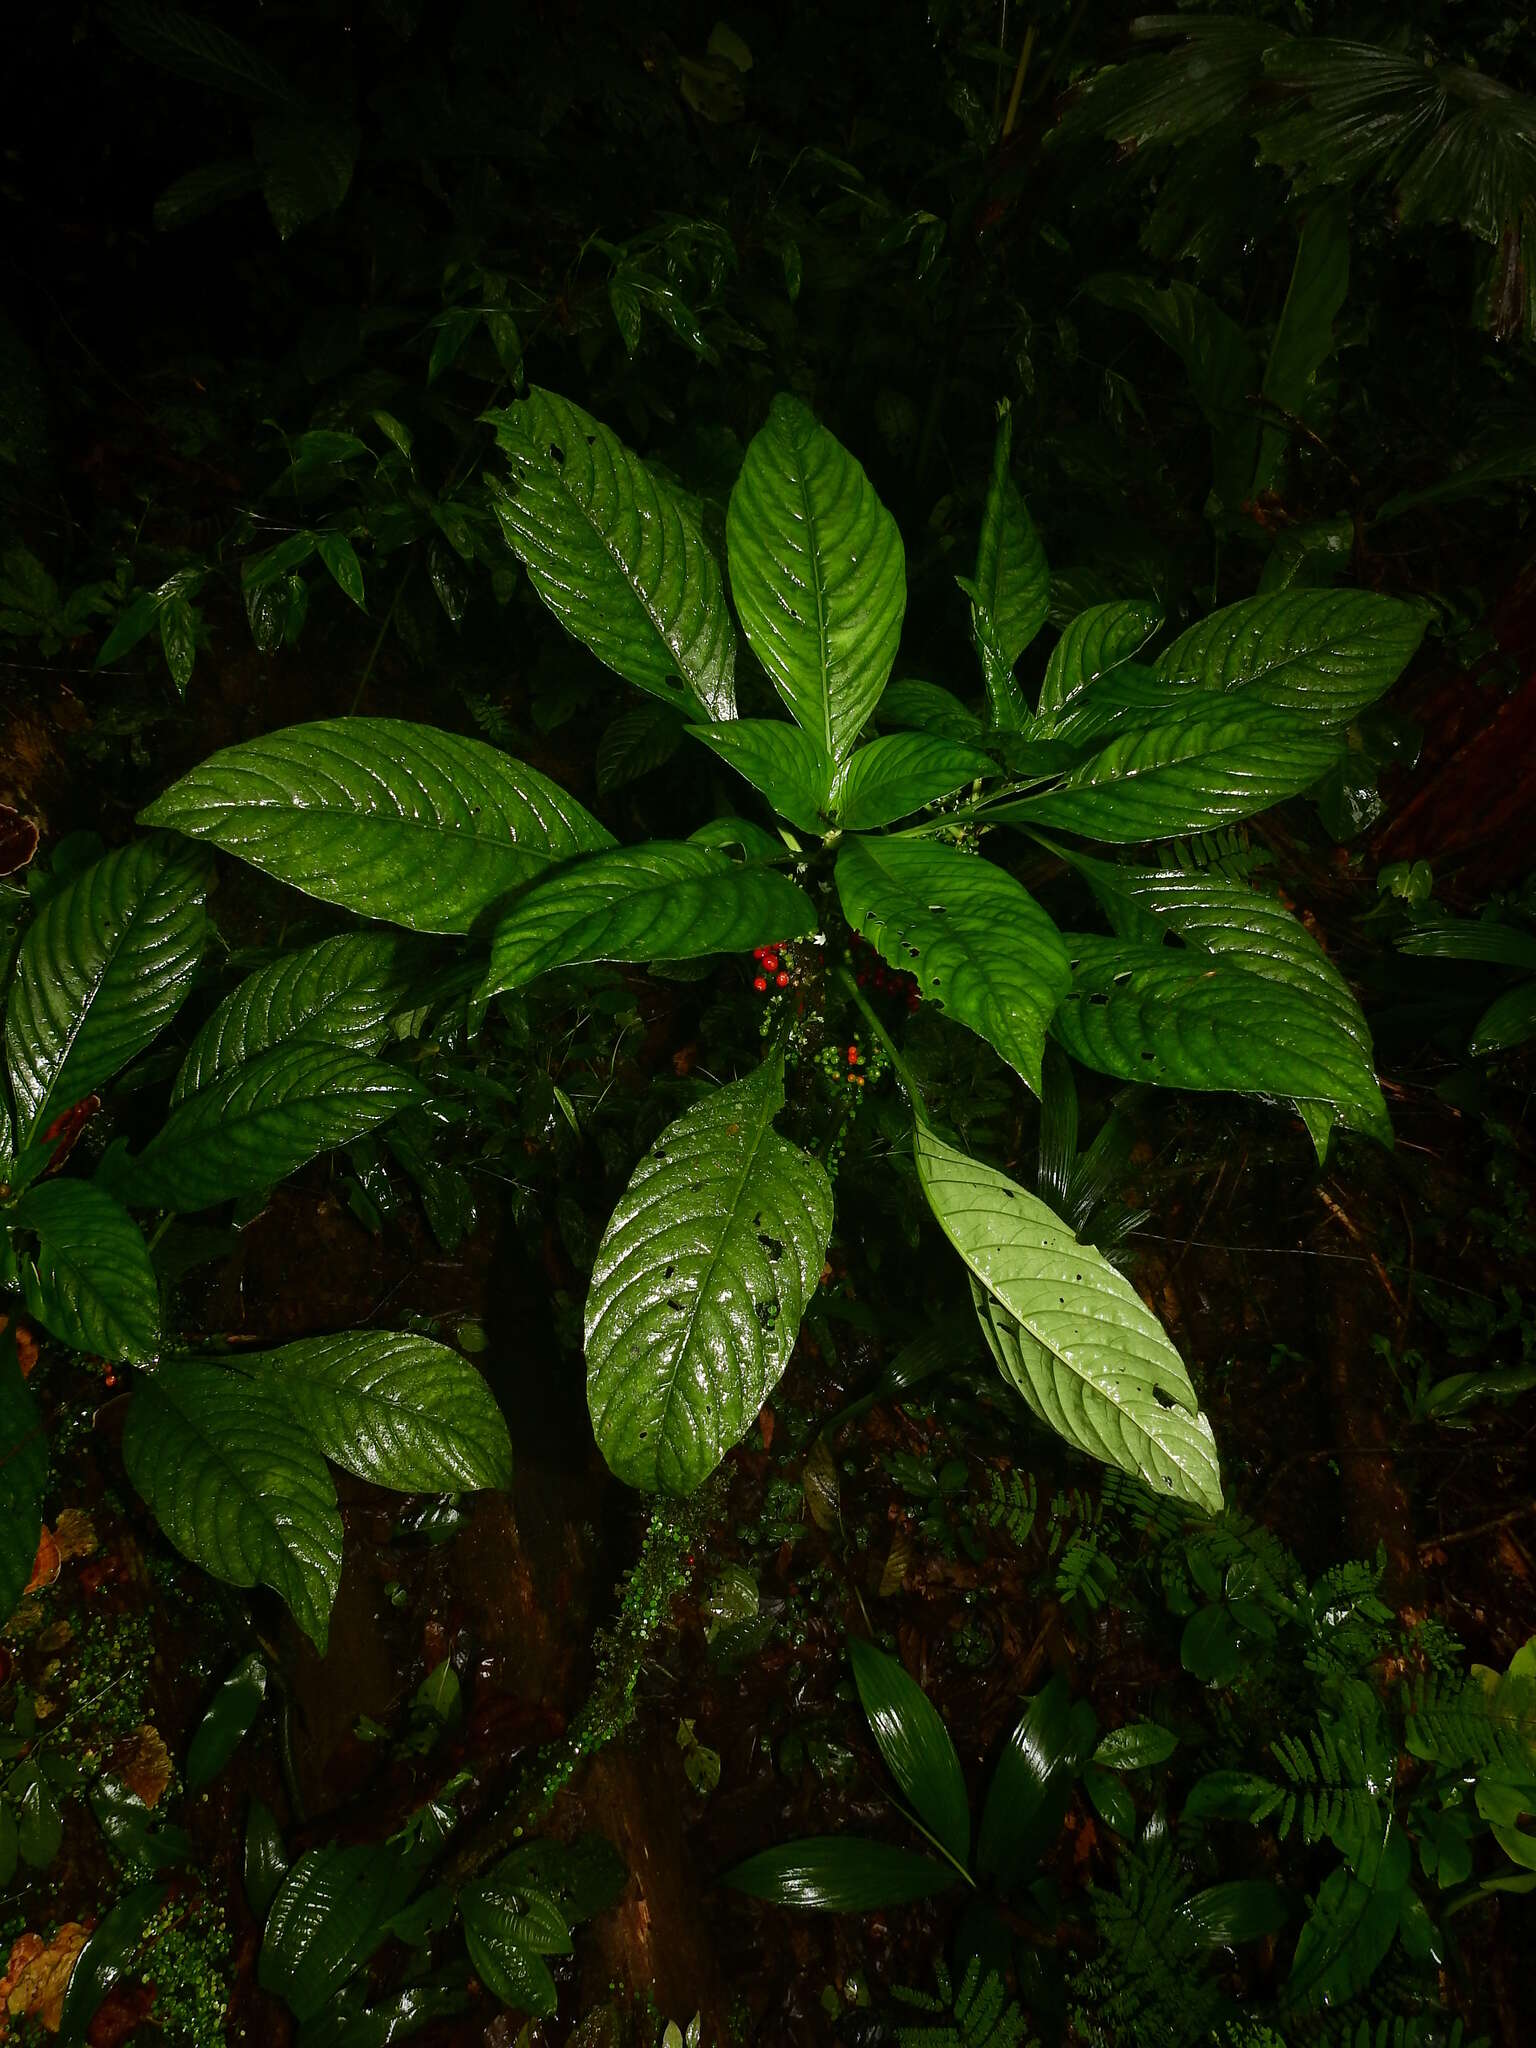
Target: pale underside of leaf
x=388, y=818
x=1100, y=1367
x=699, y=1285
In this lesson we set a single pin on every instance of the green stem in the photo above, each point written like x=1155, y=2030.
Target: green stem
x=898, y=1065
x=378, y=642
x=953, y=1861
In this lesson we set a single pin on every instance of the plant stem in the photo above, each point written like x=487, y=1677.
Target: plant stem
x=898, y=1065
x=378, y=642
x=953, y=1861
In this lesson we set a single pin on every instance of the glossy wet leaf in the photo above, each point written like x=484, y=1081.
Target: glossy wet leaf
x=1027, y=1798
x=891, y=777
x=1092, y=644
x=259, y=1123
x=39, y=1823
x=331, y=1912
x=1010, y=592
x=1069, y=1332
x=1508, y=1021
x=90, y=1282
x=23, y=1475
x=664, y=900
x=840, y=1874
x=699, y=1285
x=982, y=950
x=1244, y=1909
x=1112, y=1800
x=915, y=1744
x=1189, y=771
x=340, y=992
x=636, y=743
x=101, y=970
x=238, y=1486
x=1323, y=654
x=223, y=1727
x=818, y=574
x=1294, y=387
x=340, y=557
x=509, y=1933
x=105, y=1956
x=265, y=1861
x=1344, y=1940
x=791, y=768
x=584, y=1876
x=925, y=707
x=615, y=553
x=1135, y=1746
x=393, y=820
x=397, y=1409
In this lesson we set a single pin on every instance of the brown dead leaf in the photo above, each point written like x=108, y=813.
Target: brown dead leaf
x=75, y=1534
x=26, y=1345
x=143, y=1763
x=821, y=1488
x=37, y=1976
x=45, y=1566
x=18, y=840
x=765, y=1427
x=894, y=1572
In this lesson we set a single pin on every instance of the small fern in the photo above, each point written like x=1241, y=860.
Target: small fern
x=1227, y=851
x=1339, y=1776
x=980, y=2014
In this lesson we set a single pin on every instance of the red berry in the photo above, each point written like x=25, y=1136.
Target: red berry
x=771, y=962
x=853, y=1055
x=759, y=983
x=781, y=979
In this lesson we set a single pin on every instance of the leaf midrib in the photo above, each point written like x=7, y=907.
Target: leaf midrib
x=818, y=586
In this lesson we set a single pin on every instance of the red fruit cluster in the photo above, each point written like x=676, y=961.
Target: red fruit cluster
x=770, y=974
x=872, y=972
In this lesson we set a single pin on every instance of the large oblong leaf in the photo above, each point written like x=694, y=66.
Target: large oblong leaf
x=660, y=901
x=92, y=1284
x=615, y=553
x=915, y=1744
x=342, y=991
x=700, y=1283
x=1032, y=1785
x=394, y=1408
x=1068, y=1331
x=233, y=1479
x=818, y=574
x=1011, y=591
x=509, y=1931
x=840, y=1874
x=103, y=967
x=1323, y=653
x=331, y=1912
x=791, y=768
x=980, y=946
x=891, y=777
x=1189, y=772
x=387, y=818
x=259, y=1123
x=1092, y=644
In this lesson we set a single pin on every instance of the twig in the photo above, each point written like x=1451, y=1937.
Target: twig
x=1477, y=1529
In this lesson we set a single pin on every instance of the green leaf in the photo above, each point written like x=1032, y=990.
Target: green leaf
x=1304, y=339
x=265, y=1860
x=615, y=553
x=341, y=992
x=1112, y=1801
x=1324, y=653
x=818, y=574
x=699, y=1285
x=1011, y=591
x=1507, y=1022
x=890, y=778
x=236, y=1484
x=340, y=557
x=790, y=767
x=659, y=901
x=91, y=1284
x=135, y=622
x=915, y=1744
x=1069, y=1332
x=1345, y=1939
x=635, y=744
x=1181, y=1019
x=258, y=1123
x=1464, y=938
x=751, y=841
x=1214, y=764
x=204, y=190
x=223, y=1728
x=981, y=948
x=924, y=707
x=23, y=1475
x=1032, y=1785
x=104, y=1958
x=307, y=163
x=505, y=1949
x=101, y=970
x=840, y=1874
x=1135, y=1746
x=1244, y=1909
x=331, y=1912
x=39, y=1823
x=1095, y=642
x=194, y=49
x=454, y=328
x=178, y=640
x=584, y=1876
x=394, y=1408
x=381, y=816
x=1249, y=1001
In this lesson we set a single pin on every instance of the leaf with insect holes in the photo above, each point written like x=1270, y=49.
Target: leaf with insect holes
x=615, y=553
x=659, y=901
x=818, y=574
x=980, y=946
x=102, y=968
x=1068, y=1331
x=393, y=820
x=699, y=1285
x=235, y=1481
